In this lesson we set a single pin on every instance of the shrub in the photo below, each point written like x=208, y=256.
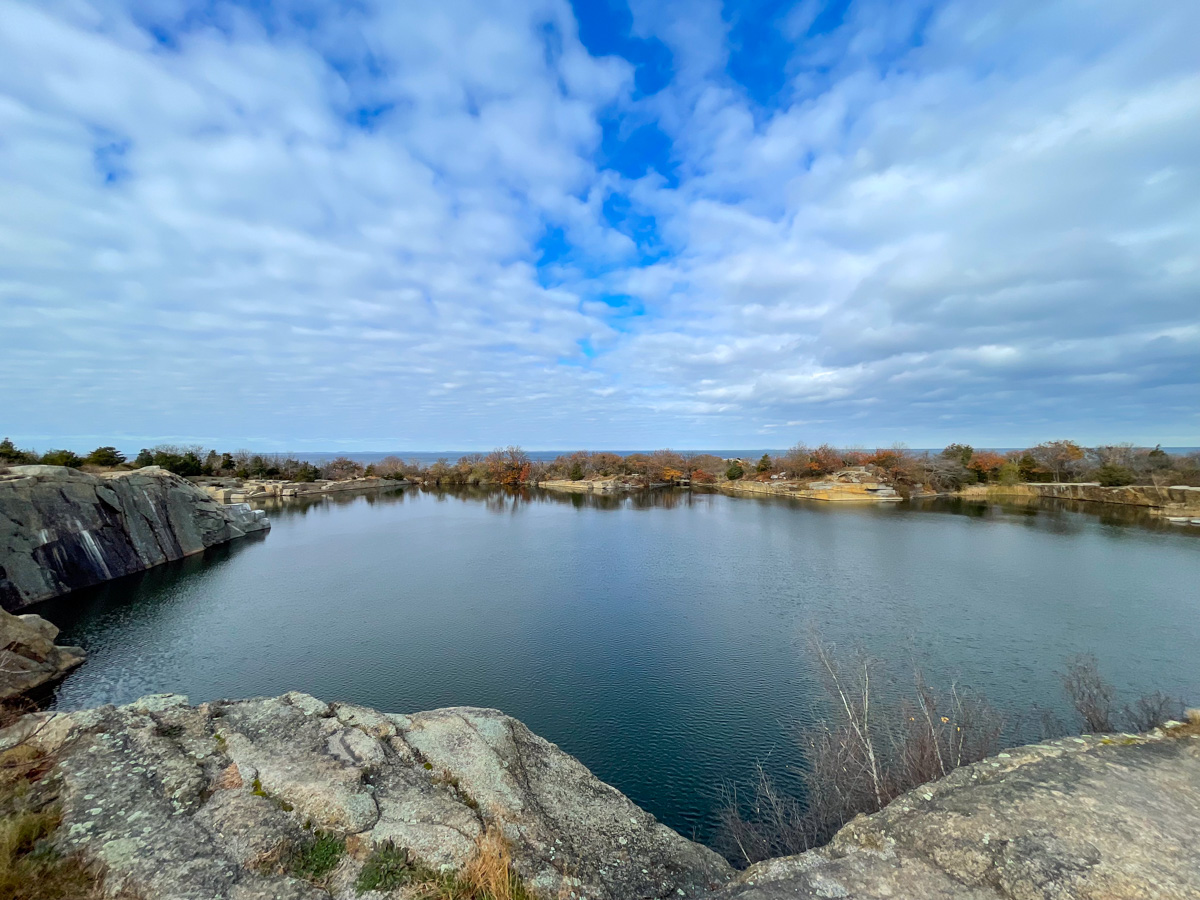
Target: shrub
x=764, y=465
x=735, y=471
x=1113, y=475
x=1089, y=693
x=10, y=455
x=62, y=458
x=105, y=456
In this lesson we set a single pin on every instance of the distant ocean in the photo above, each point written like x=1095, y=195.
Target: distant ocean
x=425, y=457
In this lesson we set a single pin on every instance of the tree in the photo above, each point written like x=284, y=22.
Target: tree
x=795, y=461
x=764, y=465
x=144, y=458
x=986, y=464
x=1113, y=475
x=824, y=460
x=735, y=471
x=212, y=463
x=1059, y=457
x=576, y=473
x=10, y=455
x=961, y=453
x=342, y=469
x=61, y=458
x=105, y=456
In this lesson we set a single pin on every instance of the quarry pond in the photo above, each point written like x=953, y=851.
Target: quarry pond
x=662, y=637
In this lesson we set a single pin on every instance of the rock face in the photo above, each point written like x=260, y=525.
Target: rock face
x=185, y=802
x=29, y=658
x=1178, y=499
x=61, y=529
x=1112, y=817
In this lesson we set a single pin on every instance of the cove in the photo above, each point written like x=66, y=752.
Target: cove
x=659, y=637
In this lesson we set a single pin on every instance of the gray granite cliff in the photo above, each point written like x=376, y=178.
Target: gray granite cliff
x=62, y=529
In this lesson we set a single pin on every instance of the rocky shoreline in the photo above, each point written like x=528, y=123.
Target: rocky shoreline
x=1175, y=502
x=180, y=803
x=62, y=529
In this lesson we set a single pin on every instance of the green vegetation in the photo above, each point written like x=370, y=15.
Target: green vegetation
x=30, y=867
x=735, y=471
x=61, y=458
x=315, y=859
x=488, y=875
x=387, y=868
x=108, y=457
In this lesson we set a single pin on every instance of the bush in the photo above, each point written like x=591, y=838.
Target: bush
x=735, y=471
x=1113, y=475
x=105, y=456
x=10, y=455
x=61, y=458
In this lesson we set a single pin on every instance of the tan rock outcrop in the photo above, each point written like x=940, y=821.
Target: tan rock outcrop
x=29, y=658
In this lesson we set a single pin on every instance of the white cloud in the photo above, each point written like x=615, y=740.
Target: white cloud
x=261, y=231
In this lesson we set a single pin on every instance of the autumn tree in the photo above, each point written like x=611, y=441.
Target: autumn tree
x=508, y=466
x=986, y=465
x=824, y=460
x=341, y=469
x=795, y=461
x=1059, y=457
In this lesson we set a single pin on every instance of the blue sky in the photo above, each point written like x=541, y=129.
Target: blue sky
x=310, y=225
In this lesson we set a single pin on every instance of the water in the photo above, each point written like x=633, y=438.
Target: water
x=659, y=638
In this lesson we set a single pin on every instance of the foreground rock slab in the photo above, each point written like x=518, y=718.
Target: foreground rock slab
x=1095, y=817
x=182, y=802
x=62, y=529
x=29, y=658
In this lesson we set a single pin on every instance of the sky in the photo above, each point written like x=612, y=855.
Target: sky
x=602, y=223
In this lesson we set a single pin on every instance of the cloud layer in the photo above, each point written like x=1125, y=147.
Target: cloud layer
x=687, y=223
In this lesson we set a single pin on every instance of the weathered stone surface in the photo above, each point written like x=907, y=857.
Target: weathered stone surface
x=61, y=529
x=186, y=802
x=29, y=658
x=1113, y=817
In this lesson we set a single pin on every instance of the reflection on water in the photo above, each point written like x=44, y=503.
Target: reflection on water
x=659, y=636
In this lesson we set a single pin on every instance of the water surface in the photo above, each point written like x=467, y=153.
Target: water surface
x=659, y=638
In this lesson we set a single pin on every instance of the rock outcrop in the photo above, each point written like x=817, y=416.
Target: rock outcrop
x=1091, y=817
x=62, y=529
x=29, y=658
x=182, y=803
x=1176, y=500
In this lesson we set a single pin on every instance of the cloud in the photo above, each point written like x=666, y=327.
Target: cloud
x=299, y=223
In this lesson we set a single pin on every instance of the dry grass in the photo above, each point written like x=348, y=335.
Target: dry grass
x=30, y=868
x=489, y=875
x=1190, y=727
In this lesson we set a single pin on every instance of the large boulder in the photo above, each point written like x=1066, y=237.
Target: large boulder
x=1089, y=817
x=29, y=658
x=62, y=529
x=181, y=802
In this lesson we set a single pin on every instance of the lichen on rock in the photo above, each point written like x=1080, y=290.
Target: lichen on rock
x=182, y=802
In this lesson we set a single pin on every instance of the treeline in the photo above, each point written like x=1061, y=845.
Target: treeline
x=954, y=467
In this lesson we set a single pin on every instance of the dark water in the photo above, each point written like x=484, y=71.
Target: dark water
x=661, y=639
